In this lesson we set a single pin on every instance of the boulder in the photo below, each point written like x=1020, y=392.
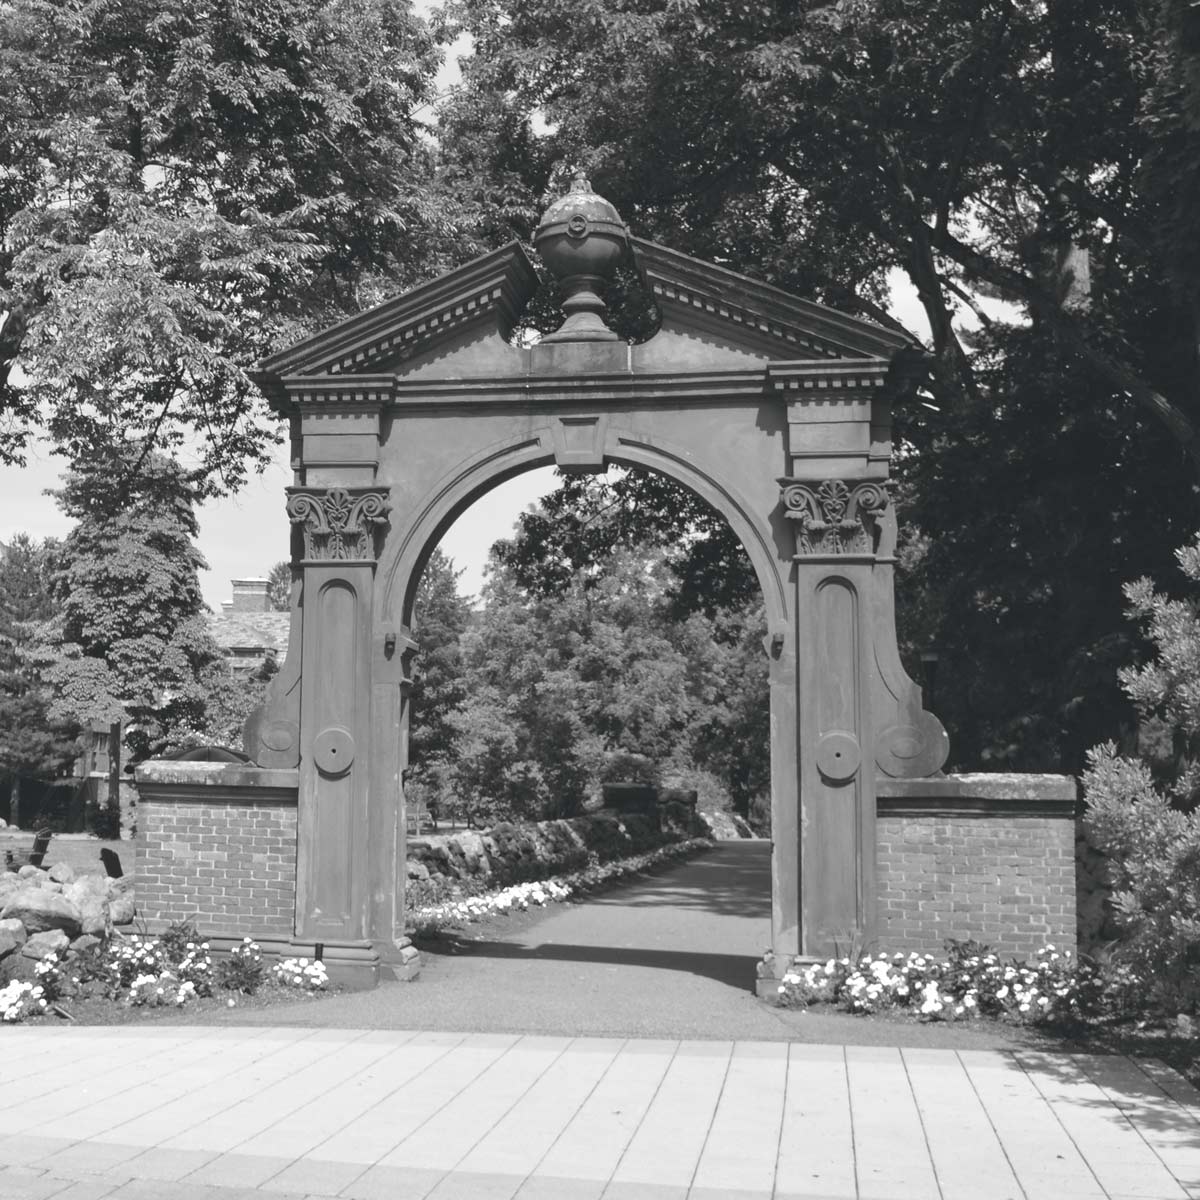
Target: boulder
x=10, y=882
x=31, y=872
x=39, y=910
x=89, y=894
x=14, y=928
x=8, y=944
x=121, y=900
x=416, y=870
x=62, y=872
x=84, y=942
x=50, y=941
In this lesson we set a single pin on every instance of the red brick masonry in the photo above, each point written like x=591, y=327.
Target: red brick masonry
x=217, y=845
x=987, y=857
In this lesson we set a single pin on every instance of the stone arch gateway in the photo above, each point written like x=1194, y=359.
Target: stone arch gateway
x=774, y=410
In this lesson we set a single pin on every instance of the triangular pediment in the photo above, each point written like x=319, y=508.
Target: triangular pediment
x=702, y=300
x=484, y=298
x=457, y=326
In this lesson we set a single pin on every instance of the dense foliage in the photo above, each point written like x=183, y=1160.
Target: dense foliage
x=1043, y=155
x=34, y=748
x=187, y=186
x=439, y=687
x=128, y=639
x=1142, y=811
x=608, y=648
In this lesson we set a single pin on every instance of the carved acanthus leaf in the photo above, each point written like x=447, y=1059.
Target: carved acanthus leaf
x=834, y=517
x=338, y=523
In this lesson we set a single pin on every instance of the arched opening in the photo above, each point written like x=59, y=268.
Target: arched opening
x=615, y=662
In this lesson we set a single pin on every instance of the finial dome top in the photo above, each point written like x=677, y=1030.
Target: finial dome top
x=582, y=239
x=581, y=200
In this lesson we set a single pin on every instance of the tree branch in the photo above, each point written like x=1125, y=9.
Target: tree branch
x=1068, y=330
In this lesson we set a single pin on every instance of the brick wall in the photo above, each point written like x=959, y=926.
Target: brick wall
x=993, y=861
x=216, y=850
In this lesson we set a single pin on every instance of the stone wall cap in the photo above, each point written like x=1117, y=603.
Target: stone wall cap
x=986, y=785
x=160, y=772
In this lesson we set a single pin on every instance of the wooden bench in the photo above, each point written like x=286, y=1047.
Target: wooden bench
x=14, y=861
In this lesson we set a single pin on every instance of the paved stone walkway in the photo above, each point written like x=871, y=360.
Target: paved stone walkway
x=215, y=1113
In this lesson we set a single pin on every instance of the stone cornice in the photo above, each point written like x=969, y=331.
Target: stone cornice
x=495, y=287
x=846, y=374
x=830, y=380
x=693, y=287
x=979, y=794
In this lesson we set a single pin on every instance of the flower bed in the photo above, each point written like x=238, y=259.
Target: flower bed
x=970, y=982
x=172, y=970
x=429, y=918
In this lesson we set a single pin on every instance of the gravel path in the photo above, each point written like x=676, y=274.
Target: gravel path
x=669, y=955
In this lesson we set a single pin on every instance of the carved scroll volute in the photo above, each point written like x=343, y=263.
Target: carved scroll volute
x=834, y=517
x=339, y=524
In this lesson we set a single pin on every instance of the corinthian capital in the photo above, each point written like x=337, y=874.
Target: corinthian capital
x=834, y=517
x=338, y=523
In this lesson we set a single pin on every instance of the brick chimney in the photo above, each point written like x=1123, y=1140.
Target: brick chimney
x=250, y=595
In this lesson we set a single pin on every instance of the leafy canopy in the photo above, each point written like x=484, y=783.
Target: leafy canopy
x=129, y=637
x=186, y=187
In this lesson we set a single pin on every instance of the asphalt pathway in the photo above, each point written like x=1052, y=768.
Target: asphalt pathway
x=671, y=954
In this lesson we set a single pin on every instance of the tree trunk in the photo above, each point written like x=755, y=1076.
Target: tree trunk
x=114, y=775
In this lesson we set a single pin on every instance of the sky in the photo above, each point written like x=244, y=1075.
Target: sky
x=244, y=536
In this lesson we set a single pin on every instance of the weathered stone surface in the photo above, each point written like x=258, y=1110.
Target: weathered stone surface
x=62, y=872
x=8, y=944
x=85, y=941
x=31, y=872
x=89, y=893
x=14, y=928
x=39, y=910
x=10, y=882
x=49, y=941
x=122, y=904
x=416, y=870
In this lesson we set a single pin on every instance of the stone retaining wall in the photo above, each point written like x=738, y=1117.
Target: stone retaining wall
x=986, y=857
x=516, y=853
x=217, y=846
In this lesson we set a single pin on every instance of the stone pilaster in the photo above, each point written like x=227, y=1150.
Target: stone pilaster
x=835, y=524
x=338, y=528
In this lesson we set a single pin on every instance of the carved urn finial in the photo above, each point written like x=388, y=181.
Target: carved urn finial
x=581, y=238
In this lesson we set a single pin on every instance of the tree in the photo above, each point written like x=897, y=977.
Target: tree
x=1022, y=513
x=279, y=586
x=1034, y=152
x=439, y=689
x=574, y=531
x=33, y=748
x=129, y=639
x=1142, y=811
x=589, y=675
x=186, y=187
x=1037, y=154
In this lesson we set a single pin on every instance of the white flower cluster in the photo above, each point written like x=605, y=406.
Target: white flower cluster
x=964, y=985
x=518, y=897
x=151, y=991
x=521, y=896
x=19, y=1000
x=196, y=969
x=300, y=973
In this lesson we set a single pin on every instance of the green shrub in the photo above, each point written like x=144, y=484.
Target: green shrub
x=243, y=971
x=1154, y=862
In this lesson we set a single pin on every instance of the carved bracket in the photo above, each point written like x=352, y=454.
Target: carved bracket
x=339, y=524
x=834, y=517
